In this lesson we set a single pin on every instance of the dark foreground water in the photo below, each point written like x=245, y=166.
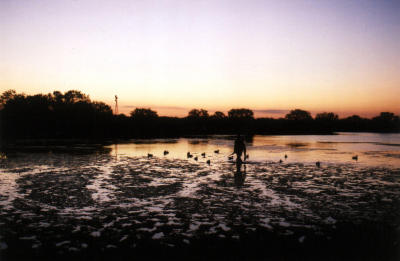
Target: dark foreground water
x=116, y=205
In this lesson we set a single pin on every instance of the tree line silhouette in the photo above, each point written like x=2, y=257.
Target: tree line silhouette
x=74, y=115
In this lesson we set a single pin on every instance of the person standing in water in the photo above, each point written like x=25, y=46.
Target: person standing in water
x=239, y=148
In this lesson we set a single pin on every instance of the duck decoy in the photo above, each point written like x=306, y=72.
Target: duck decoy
x=149, y=155
x=203, y=154
x=189, y=155
x=216, y=151
x=196, y=158
x=208, y=162
x=318, y=164
x=355, y=157
x=285, y=156
x=280, y=161
x=166, y=152
x=247, y=156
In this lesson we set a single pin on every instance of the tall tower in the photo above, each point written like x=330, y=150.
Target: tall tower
x=116, y=105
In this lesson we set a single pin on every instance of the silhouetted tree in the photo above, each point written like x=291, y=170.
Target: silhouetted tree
x=218, y=115
x=300, y=121
x=354, y=123
x=387, y=116
x=74, y=96
x=386, y=121
x=354, y=118
x=241, y=121
x=241, y=114
x=194, y=113
x=298, y=115
x=198, y=114
x=101, y=107
x=327, y=116
x=7, y=95
x=203, y=113
x=73, y=115
x=144, y=114
x=326, y=121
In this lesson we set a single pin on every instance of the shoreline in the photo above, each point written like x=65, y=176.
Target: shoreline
x=21, y=142
x=72, y=140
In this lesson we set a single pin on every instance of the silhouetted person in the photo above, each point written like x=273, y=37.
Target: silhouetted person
x=240, y=175
x=239, y=149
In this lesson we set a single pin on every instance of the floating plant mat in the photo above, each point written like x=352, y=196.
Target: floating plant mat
x=70, y=204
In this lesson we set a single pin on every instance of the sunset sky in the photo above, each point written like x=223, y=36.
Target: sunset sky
x=269, y=56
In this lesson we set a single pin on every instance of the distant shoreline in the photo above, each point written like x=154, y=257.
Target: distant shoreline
x=90, y=145
x=73, y=115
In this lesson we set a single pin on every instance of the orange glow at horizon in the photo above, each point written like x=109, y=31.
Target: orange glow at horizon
x=270, y=57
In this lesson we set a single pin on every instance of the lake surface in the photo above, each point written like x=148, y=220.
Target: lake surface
x=118, y=200
x=372, y=149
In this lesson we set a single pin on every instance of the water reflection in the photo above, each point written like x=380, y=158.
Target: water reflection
x=297, y=145
x=240, y=175
x=92, y=198
x=372, y=149
x=195, y=142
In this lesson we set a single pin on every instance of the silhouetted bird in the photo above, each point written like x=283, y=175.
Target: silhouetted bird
x=318, y=164
x=355, y=157
x=208, y=162
x=149, y=155
x=285, y=156
x=196, y=158
x=166, y=152
x=216, y=151
x=203, y=154
x=280, y=161
x=230, y=157
x=189, y=155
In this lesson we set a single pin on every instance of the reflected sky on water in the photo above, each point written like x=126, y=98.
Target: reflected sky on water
x=122, y=196
x=372, y=149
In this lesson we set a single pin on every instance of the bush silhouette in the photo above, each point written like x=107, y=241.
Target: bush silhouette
x=198, y=114
x=143, y=114
x=298, y=115
x=241, y=114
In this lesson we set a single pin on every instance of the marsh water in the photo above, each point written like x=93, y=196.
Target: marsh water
x=372, y=149
x=119, y=198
